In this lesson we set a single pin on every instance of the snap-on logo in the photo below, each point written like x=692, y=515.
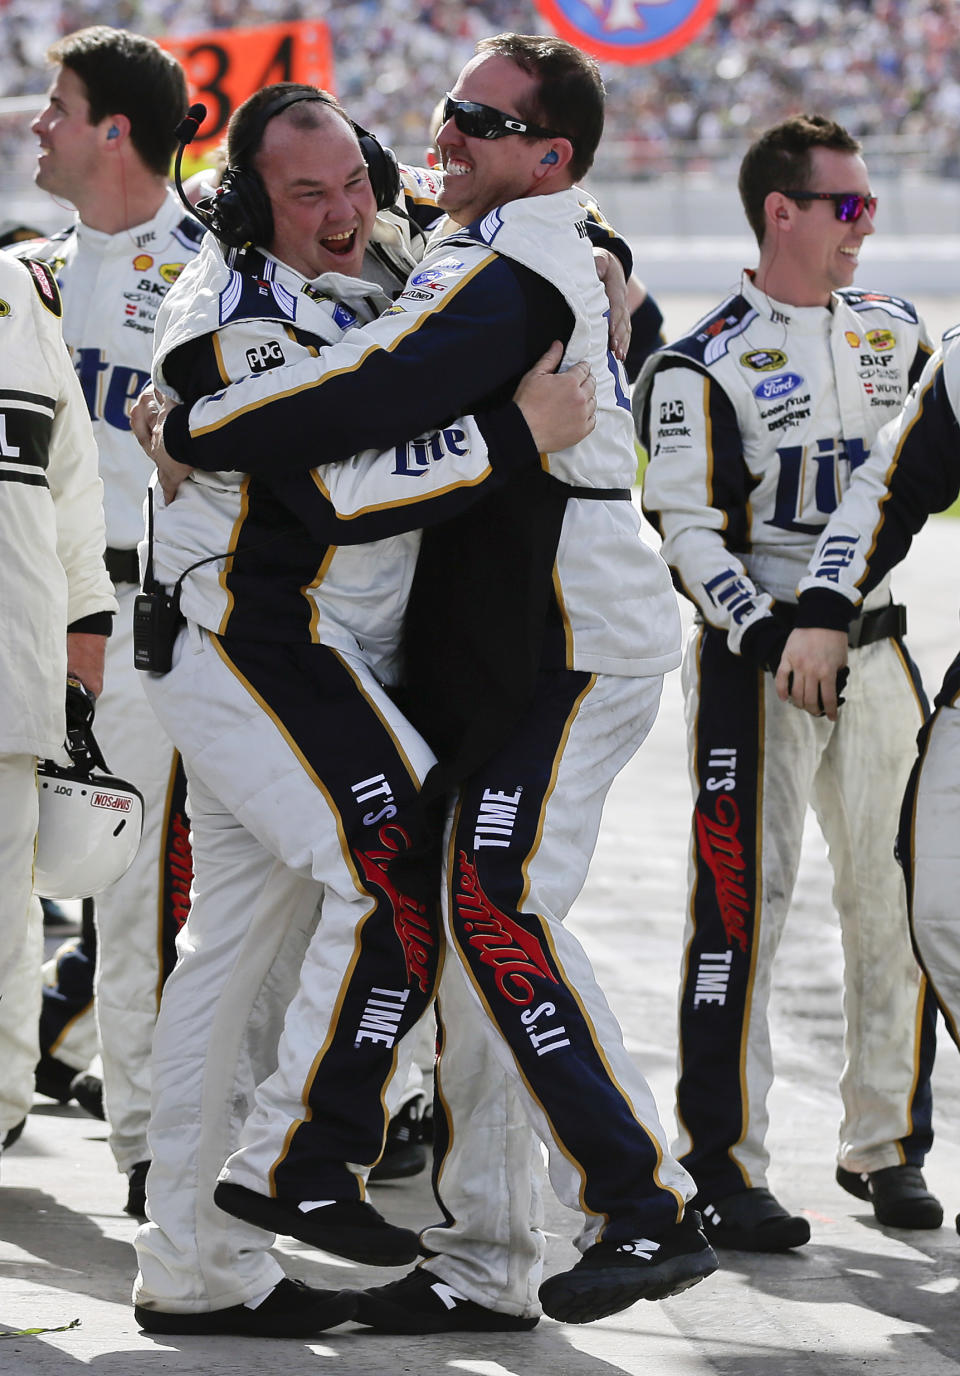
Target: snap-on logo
x=116, y=802
x=777, y=386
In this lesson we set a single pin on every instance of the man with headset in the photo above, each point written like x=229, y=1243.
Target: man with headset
x=106, y=138
x=301, y=769
x=534, y=687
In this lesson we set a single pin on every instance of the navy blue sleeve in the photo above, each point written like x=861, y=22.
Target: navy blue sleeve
x=511, y=450
x=645, y=336
x=462, y=358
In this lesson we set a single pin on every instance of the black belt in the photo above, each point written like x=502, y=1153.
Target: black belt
x=603, y=494
x=595, y=494
x=123, y=565
x=884, y=623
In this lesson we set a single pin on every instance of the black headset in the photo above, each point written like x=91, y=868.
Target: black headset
x=239, y=211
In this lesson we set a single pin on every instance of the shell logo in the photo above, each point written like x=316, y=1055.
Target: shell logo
x=852, y=338
x=142, y=262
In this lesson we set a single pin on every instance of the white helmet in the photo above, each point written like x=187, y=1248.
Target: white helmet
x=90, y=823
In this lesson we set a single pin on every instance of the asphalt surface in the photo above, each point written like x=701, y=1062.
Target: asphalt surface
x=858, y=1298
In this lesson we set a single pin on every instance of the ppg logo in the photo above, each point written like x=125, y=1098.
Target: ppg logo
x=671, y=412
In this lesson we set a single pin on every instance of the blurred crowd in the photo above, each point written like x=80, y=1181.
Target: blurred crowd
x=882, y=67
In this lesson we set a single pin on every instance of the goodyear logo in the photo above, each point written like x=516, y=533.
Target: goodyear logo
x=764, y=360
x=171, y=271
x=880, y=340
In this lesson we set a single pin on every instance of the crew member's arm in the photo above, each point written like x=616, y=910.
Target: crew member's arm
x=73, y=478
x=646, y=328
x=913, y=469
x=696, y=492
x=385, y=383
x=374, y=494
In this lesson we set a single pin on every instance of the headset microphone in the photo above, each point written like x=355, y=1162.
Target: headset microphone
x=185, y=133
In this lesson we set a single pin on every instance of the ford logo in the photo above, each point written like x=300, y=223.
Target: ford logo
x=777, y=386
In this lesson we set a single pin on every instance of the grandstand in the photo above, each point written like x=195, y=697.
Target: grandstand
x=676, y=130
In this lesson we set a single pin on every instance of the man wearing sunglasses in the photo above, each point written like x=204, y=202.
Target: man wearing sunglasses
x=755, y=422
x=537, y=635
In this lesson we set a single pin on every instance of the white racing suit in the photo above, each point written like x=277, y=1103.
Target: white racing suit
x=570, y=604
x=913, y=470
x=52, y=537
x=112, y=285
x=756, y=421
x=303, y=778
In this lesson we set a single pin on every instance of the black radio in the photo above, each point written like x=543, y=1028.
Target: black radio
x=156, y=620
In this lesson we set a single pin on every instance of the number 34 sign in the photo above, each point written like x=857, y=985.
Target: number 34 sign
x=225, y=66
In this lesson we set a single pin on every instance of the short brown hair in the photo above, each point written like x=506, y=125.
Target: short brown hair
x=779, y=160
x=570, y=96
x=126, y=74
x=249, y=121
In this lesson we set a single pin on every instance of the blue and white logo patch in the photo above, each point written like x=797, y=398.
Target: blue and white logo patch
x=772, y=387
x=490, y=226
x=446, y=267
x=343, y=316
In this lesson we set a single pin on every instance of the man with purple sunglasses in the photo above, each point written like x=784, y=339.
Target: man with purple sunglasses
x=755, y=422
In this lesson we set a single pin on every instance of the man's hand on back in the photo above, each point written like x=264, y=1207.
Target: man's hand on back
x=559, y=408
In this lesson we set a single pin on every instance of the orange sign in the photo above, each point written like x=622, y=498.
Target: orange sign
x=224, y=66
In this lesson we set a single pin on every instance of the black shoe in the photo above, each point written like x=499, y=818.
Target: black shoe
x=12, y=1135
x=404, y=1153
x=291, y=1310
x=137, y=1190
x=87, y=1089
x=753, y=1221
x=422, y=1303
x=53, y=1078
x=348, y=1228
x=899, y=1196
x=611, y=1276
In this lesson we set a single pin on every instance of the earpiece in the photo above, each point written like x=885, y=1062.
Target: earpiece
x=113, y=132
x=551, y=156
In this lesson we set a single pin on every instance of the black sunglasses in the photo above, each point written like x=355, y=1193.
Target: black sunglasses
x=847, y=205
x=486, y=122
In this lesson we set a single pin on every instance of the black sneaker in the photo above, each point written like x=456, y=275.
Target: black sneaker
x=348, y=1228
x=52, y=1078
x=404, y=1153
x=422, y=1303
x=12, y=1135
x=753, y=1221
x=899, y=1196
x=87, y=1089
x=611, y=1276
x=291, y=1310
x=136, y=1204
